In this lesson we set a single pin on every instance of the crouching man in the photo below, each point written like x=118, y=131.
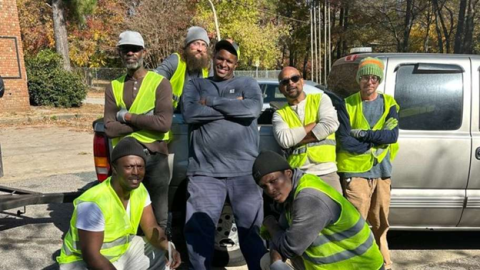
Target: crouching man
x=317, y=223
x=104, y=224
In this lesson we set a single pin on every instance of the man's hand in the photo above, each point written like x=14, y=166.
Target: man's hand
x=121, y=115
x=176, y=258
x=357, y=133
x=275, y=256
x=390, y=124
x=240, y=98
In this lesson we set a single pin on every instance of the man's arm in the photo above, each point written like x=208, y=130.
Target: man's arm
x=91, y=226
x=192, y=110
x=168, y=67
x=90, y=245
x=161, y=119
x=384, y=136
x=327, y=119
x=249, y=106
x=287, y=137
x=311, y=213
x=343, y=137
x=156, y=236
x=114, y=128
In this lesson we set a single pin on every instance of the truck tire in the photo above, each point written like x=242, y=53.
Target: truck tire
x=227, y=247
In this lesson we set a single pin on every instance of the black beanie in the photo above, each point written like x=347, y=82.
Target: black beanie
x=126, y=147
x=268, y=162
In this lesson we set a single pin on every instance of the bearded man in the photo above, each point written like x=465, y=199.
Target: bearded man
x=139, y=105
x=192, y=61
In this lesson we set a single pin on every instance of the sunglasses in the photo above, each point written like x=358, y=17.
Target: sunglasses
x=130, y=48
x=286, y=81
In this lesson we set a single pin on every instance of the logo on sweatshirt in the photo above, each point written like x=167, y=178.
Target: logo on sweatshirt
x=232, y=91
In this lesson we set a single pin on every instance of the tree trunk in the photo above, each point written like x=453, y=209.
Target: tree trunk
x=408, y=25
x=345, y=29
x=460, y=27
x=437, y=29
x=341, y=24
x=60, y=32
x=469, y=26
x=427, y=35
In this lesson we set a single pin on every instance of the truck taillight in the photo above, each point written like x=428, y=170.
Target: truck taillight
x=100, y=150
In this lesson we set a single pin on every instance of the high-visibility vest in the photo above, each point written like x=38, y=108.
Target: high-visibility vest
x=119, y=228
x=318, y=152
x=178, y=79
x=143, y=103
x=346, y=244
x=358, y=163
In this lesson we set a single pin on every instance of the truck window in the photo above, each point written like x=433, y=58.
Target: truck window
x=430, y=96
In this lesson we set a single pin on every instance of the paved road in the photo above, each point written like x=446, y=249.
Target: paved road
x=59, y=160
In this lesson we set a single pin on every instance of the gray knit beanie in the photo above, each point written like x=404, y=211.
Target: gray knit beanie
x=196, y=33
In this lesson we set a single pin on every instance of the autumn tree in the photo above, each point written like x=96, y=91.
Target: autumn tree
x=253, y=24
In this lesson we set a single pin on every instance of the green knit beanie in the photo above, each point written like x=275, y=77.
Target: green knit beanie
x=370, y=66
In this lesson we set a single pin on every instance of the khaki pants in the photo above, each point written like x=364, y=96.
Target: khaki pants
x=372, y=199
x=333, y=180
x=266, y=264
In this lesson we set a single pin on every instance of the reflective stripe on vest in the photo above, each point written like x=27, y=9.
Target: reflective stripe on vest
x=120, y=229
x=350, y=162
x=143, y=103
x=178, y=79
x=318, y=152
x=346, y=244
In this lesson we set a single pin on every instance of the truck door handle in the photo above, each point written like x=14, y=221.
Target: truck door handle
x=477, y=153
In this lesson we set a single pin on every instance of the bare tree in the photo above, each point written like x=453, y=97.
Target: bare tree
x=163, y=25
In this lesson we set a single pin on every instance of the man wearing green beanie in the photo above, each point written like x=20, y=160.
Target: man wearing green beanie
x=366, y=180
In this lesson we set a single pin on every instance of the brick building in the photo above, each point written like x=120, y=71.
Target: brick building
x=12, y=65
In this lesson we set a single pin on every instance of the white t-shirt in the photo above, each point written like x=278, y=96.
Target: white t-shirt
x=90, y=217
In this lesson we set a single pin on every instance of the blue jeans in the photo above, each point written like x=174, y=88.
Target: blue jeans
x=205, y=203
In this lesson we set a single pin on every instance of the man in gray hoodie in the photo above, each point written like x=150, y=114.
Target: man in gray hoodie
x=222, y=114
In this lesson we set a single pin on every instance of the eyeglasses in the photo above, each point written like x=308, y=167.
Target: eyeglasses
x=286, y=81
x=366, y=78
x=130, y=48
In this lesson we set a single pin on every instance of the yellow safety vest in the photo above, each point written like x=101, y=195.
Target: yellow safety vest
x=143, y=103
x=178, y=79
x=119, y=229
x=358, y=163
x=319, y=152
x=346, y=244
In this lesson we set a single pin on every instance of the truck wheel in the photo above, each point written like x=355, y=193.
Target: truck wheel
x=227, y=247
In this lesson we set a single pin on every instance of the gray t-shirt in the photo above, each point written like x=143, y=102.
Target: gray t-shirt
x=311, y=212
x=373, y=110
x=224, y=136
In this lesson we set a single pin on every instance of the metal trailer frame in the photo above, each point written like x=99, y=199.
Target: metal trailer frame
x=19, y=197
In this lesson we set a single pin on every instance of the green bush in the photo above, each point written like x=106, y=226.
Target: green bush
x=50, y=85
